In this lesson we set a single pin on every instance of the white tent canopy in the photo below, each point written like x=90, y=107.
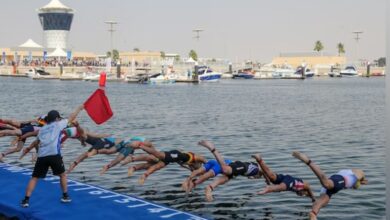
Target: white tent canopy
x=30, y=44
x=58, y=52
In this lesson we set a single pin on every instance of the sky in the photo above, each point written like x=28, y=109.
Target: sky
x=237, y=30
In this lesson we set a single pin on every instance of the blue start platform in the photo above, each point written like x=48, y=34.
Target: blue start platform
x=88, y=202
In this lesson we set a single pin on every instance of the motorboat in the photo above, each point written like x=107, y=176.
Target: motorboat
x=244, y=74
x=161, y=79
x=37, y=73
x=308, y=73
x=206, y=74
x=349, y=71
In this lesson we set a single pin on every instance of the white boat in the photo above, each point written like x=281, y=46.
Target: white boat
x=39, y=74
x=161, y=79
x=205, y=74
x=349, y=71
x=89, y=76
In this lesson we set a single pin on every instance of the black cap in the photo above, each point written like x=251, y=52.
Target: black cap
x=52, y=116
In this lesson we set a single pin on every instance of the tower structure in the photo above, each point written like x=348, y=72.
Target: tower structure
x=56, y=20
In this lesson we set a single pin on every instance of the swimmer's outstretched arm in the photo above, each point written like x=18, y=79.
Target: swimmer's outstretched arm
x=79, y=159
x=310, y=193
x=274, y=188
x=34, y=144
x=210, y=188
x=151, y=170
x=322, y=201
x=193, y=174
x=325, y=182
x=118, y=159
x=268, y=174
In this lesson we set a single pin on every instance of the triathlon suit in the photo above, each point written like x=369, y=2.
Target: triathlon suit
x=124, y=147
x=214, y=166
x=29, y=127
x=292, y=183
x=70, y=132
x=100, y=143
x=247, y=169
x=344, y=179
x=175, y=156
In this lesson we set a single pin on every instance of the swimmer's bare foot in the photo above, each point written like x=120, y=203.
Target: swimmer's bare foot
x=71, y=167
x=130, y=171
x=302, y=157
x=104, y=169
x=207, y=144
x=209, y=195
x=142, y=179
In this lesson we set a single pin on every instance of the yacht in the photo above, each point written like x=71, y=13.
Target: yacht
x=206, y=74
x=349, y=71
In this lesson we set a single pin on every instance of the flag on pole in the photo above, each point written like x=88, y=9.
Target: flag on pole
x=97, y=105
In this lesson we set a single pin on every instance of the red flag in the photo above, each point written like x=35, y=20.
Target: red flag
x=98, y=107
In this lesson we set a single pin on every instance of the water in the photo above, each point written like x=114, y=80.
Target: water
x=338, y=122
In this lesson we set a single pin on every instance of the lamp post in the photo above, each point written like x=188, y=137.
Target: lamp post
x=111, y=30
x=357, y=38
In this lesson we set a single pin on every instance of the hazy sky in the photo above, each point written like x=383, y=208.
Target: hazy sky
x=246, y=29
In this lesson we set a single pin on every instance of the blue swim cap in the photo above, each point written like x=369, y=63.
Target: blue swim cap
x=136, y=138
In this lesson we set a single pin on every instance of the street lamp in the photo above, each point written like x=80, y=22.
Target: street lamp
x=111, y=30
x=357, y=38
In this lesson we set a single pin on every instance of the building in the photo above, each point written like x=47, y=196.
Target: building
x=56, y=20
x=141, y=57
x=312, y=60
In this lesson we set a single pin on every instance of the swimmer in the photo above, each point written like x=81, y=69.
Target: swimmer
x=22, y=130
x=96, y=141
x=125, y=149
x=283, y=182
x=236, y=168
x=207, y=171
x=187, y=160
x=344, y=179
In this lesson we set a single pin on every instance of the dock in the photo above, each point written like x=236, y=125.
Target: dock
x=88, y=201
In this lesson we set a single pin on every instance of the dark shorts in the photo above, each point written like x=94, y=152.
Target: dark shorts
x=338, y=182
x=175, y=156
x=243, y=169
x=100, y=144
x=43, y=163
x=26, y=129
x=292, y=183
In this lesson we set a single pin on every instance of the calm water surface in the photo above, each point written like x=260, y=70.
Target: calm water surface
x=338, y=122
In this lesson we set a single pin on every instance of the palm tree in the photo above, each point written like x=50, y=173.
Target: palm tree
x=318, y=46
x=340, y=48
x=193, y=55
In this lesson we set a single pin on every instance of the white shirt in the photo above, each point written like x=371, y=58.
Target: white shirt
x=50, y=138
